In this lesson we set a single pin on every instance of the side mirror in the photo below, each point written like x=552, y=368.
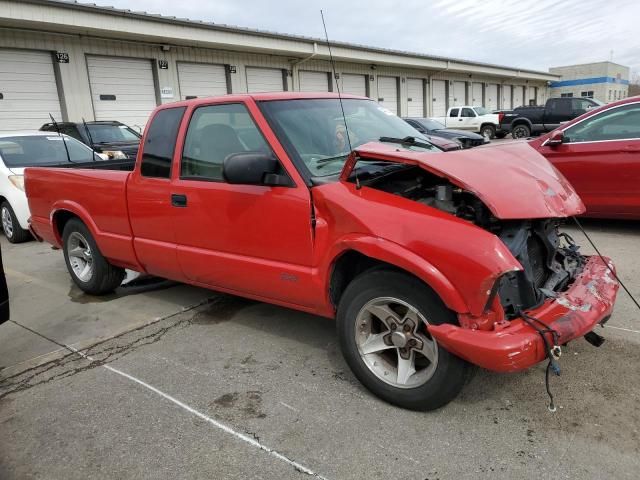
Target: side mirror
x=253, y=168
x=556, y=138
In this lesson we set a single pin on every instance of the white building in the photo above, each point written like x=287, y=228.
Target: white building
x=604, y=81
x=77, y=61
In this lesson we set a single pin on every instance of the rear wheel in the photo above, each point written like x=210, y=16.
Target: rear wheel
x=10, y=226
x=86, y=265
x=382, y=326
x=488, y=131
x=521, y=131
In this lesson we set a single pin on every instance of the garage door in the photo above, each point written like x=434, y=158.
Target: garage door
x=388, y=93
x=264, y=80
x=201, y=80
x=415, y=97
x=532, y=95
x=506, y=97
x=476, y=95
x=459, y=93
x=492, y=96
x=354, y=84
x=122, y=89
x=518, y=96
x=28, y=90
x=438, y=98
x=314, y=81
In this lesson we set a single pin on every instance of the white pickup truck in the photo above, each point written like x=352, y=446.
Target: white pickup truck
x=475, y=119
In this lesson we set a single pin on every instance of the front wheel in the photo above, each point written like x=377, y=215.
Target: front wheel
x=521, y=131
x=88, y=268
x=488, y=132
x=382, y=327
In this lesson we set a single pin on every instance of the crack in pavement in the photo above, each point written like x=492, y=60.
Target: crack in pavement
x=76, y=361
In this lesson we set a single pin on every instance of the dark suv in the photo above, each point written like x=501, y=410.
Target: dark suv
x=114, y=139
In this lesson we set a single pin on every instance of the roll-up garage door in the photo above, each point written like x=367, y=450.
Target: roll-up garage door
x=532, y=95
x=264, y=80
x=518, y=96
x=476, y=95
x=388, y=93
x=438, y=98
x=28, y=91
x=354, y=84
x=314, y=81
x=459, y=93
x=492, y=96
x=201, y=80
x=506, y=97
x=122, y=89
x=415, y=97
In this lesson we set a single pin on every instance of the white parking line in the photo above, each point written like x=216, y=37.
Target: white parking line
x=620, y=328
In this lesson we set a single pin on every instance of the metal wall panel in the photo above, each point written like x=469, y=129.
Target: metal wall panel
x=28, y=90
x=122, y=89
x=415, y=97
x=264, y=80
x=201, y=80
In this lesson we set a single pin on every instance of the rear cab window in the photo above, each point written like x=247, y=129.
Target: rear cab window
x=454, y=112
x=160, y=143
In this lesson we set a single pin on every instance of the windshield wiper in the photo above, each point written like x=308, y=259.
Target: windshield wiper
x=406, y=142
x=323, y=161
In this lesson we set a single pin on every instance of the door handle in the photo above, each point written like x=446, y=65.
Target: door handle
x=459, y=119
x=178, y=200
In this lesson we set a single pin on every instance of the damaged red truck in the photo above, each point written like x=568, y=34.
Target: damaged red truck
x=431, y=262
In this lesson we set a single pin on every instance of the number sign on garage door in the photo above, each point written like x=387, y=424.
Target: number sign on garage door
x=438, y=98
x=459, y=93
x=354, y=84
x=314, y=81
x=492, y=96
x=506, y=97
x=476, y=95
x=201, y=80
x=122, y=89
x=388, y=93
x=415, y=97
x=264, y=80
x=28, y=90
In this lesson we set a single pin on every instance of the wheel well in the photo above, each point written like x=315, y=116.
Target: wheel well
x=521, y=122
x=60, y=219
x=489, y=124
x=347, y=267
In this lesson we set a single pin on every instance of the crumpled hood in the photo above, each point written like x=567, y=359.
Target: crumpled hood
x=513, y=180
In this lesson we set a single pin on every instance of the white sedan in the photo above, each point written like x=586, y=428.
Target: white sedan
x=30, y=149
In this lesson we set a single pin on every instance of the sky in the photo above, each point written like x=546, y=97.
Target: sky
x=523, y=34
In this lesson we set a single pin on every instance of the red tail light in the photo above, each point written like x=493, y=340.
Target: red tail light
x=500, y=117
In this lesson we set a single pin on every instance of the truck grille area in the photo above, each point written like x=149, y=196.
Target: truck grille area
x=550, y=262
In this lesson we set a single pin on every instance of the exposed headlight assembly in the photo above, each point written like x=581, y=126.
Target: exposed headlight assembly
x=17, y=181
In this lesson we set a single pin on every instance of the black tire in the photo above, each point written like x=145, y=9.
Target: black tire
x=451, y=372
x=15, y=233
x=501, y=134
x=488, y=131
x=521, y=131
x=105, y=278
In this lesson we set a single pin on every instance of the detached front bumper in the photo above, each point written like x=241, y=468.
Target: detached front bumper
x=514, y=345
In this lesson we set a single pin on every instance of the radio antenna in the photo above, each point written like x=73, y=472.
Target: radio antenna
x=335, y=76
x=64, y=142
x=88, y=132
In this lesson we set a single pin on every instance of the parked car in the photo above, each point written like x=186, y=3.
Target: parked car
x=4, y=295
x=426, y=259
x=445, y=144
x=523, y=122
x=599, y=153
x=114, y=139
x=25, y=149
x=435, y=129
x=473, y=119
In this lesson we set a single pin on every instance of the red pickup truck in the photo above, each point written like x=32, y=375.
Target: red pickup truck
x=431, y=262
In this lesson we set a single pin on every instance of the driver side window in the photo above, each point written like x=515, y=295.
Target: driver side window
x=214, y=133
x=468, y=113
x=620, y=123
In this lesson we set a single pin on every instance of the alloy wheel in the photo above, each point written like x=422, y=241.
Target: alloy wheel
x=80, y=257
x=7, y=222
x=393, y=342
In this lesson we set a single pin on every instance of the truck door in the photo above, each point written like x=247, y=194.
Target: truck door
x=468, y=119
x=556, y=111
x=453, y=119
x=246, y=239
x=149, y=196
x=600, y=156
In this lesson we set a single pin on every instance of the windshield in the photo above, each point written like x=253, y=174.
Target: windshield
x=481, y=110
x=112, y=134
x=430, y=124
x=314, y=130
x=31, y=151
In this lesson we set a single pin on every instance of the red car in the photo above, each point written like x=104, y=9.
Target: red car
x=429, y=261
x=599, y=153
